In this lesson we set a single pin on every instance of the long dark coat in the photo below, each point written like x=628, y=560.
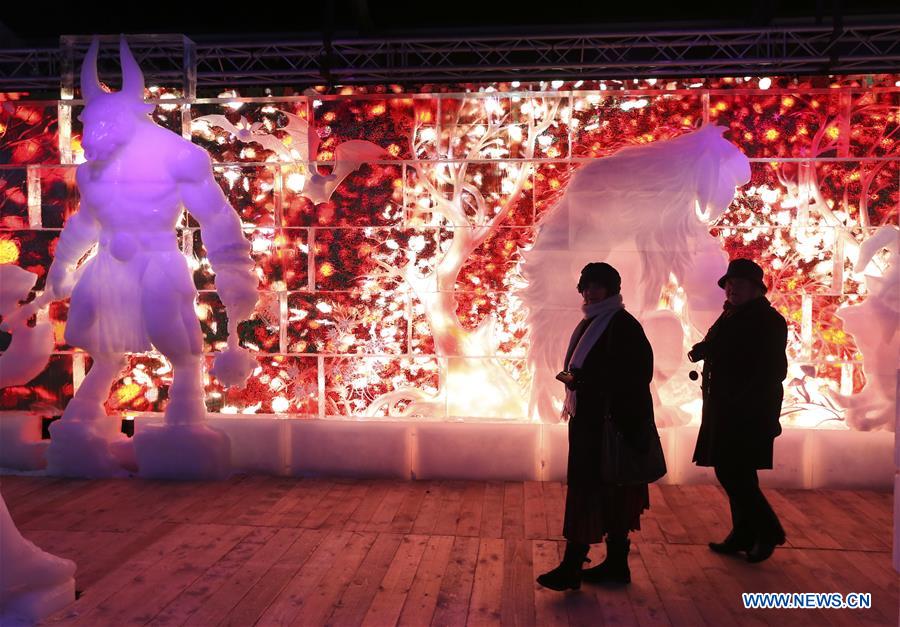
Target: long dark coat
x=744, y=365
x=618, y=369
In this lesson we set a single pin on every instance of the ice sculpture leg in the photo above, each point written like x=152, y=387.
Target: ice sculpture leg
x=666, y=336
x=21, y=445
x=186, y=404
x=33, y=584
x=874, y=328
x=82, y=442
x=184, y=446
x=704, y=297
x=673, y=387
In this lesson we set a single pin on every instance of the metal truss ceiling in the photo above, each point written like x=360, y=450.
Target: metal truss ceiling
x=868, y=48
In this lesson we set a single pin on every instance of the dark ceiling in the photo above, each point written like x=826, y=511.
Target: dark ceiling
x=34, y=25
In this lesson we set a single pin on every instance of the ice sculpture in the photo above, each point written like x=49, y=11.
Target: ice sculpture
x=475, y=384
x=302, y=143
x=873, y=325
x=27, y=355
x=349, y=156
x=30, y=347
x=136, y=292
x=301, y=148
x=646, y=210
x=33, y=584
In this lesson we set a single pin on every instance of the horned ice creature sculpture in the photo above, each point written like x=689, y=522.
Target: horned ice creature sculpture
x=137, y=293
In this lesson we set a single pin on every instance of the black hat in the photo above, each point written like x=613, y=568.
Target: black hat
x=602, y=273
x=744, y=269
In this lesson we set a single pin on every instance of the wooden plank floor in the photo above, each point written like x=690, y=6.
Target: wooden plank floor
x=276, y=551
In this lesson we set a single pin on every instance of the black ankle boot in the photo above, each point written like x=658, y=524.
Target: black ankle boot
x=763, y=549
x=731, y=545
x=567, y=576
x=614, y=569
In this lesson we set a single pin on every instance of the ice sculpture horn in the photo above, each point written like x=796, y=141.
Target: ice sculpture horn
x=90, y=82
x=132, y=77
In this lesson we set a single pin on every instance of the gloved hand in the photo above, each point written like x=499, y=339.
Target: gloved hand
x=698, y=352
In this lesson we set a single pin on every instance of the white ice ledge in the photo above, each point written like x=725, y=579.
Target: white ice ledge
x=804, y=458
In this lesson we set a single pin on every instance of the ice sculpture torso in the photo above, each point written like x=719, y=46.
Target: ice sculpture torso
x=131, y=188
x=136, y=202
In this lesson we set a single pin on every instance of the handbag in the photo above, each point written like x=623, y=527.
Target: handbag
x=622, y=464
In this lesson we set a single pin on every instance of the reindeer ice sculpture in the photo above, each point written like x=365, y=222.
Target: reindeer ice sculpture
x=137, y=292
x=646, y=210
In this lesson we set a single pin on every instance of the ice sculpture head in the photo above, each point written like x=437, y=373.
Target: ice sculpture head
x=110, y=118
x=652, y=203
x=720, y=168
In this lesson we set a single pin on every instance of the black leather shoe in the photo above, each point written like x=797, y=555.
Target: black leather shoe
x=730, y=546
x=761, y=551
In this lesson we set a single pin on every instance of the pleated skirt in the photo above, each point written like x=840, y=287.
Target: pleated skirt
x=594, y=509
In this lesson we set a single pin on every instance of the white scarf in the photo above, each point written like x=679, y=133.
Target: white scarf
x=601, y=313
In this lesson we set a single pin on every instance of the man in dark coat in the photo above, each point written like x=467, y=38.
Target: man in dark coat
x=744, y=364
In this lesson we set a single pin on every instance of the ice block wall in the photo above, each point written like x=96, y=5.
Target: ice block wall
x=389, y=227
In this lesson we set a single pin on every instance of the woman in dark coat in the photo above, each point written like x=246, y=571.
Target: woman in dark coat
x=744, y=364
x=609, y=363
